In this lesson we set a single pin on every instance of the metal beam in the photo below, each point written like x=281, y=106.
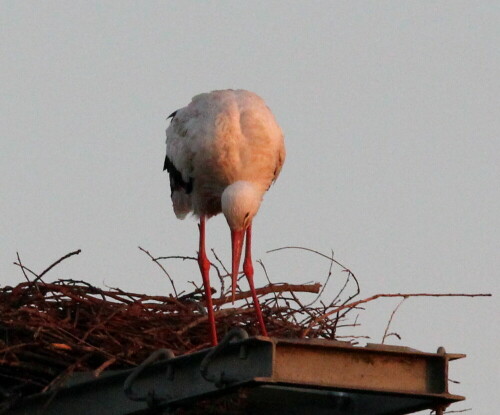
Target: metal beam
x=294, y=376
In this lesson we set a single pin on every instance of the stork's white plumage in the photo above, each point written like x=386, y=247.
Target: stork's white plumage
x=224, y=150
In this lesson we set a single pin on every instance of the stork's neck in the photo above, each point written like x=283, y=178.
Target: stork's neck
x=240, y=203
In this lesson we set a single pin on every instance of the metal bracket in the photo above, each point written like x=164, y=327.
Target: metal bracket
x=222, y=379
x=151, y=398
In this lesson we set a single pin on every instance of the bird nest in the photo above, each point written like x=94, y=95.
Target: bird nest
x=50, y=330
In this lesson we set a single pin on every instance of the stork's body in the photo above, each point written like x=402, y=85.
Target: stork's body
x=224, y=150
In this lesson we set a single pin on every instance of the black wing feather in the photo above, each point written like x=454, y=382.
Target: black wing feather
x=176, y=180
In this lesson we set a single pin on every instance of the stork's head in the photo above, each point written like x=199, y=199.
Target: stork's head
x=240, y=203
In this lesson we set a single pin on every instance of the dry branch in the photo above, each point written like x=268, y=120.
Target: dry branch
x=374, y=297
x=272, y=288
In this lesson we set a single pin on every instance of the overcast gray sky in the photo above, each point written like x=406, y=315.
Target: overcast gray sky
x=390, y=111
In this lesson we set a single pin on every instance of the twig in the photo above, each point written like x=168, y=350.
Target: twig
x=433, y=412
x=332, y=261
x=220, y=262
x=390, y=321
x=274, y=288
x=192, y=258
x=259, y=261
x=19, y=263
x=57, y=262
x=219, y=313
x=374, y=297
x=101, y=368
x=310, y=250
x=326, y=281
x=183, y=257
x=155, y=260
x=219, y=274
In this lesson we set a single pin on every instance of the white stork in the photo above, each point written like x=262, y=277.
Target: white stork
x=224, y=150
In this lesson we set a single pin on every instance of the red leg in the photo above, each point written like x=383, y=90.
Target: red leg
x=204, y=264
x=248, y=269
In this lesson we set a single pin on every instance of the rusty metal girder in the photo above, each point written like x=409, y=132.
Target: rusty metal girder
x=266, y=376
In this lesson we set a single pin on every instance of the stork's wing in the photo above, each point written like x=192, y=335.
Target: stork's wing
x=178, y=163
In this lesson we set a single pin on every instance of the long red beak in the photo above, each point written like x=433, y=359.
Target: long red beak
x=237, y=246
